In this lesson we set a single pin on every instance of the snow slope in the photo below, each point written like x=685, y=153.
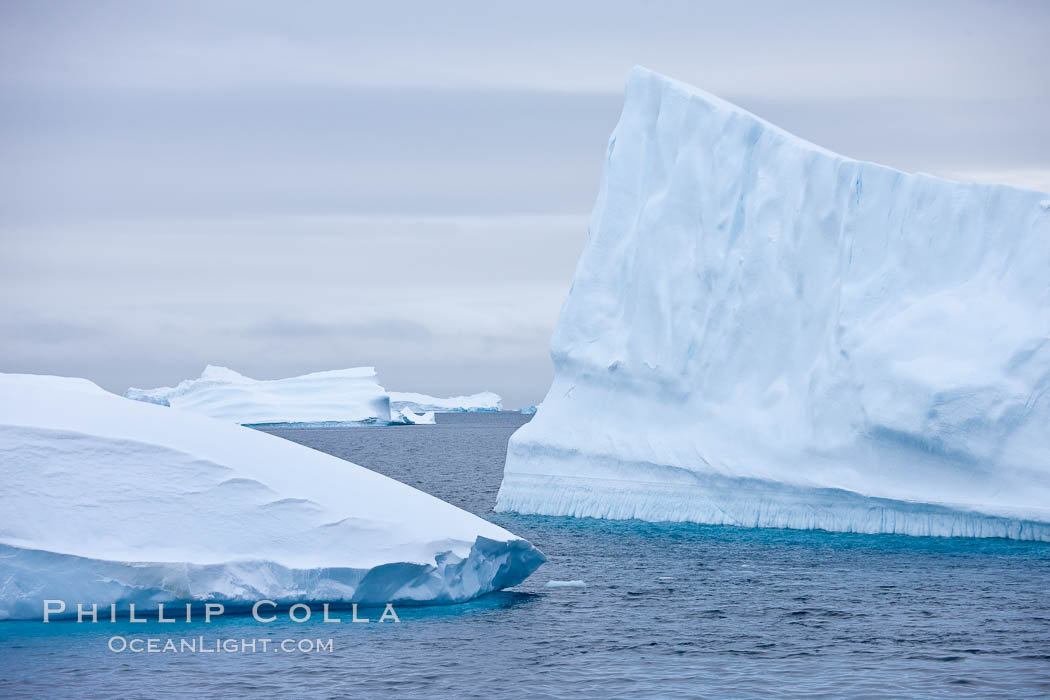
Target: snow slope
x=344, y=395
x=763, y=333
x=484, y=401
x=109, y=500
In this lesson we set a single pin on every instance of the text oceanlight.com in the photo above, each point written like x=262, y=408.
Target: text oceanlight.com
x=202, y=645
x=264, y=611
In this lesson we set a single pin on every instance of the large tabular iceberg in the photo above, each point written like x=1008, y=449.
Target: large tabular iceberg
x=475, y=403
x=764, y=333
x=110, y=500
x=336, y=396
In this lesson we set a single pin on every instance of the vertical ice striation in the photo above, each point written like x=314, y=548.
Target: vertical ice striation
x=764, y=333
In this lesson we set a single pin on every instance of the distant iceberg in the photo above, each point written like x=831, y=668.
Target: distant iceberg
x=763, y=333
x=322, y=398
x=485, y=401
x=344, y=395
x=107, y=500
x=529, y=410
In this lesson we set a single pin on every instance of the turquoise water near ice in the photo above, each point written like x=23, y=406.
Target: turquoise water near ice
x=668, y=610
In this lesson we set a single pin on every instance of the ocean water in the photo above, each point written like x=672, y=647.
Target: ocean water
x=665, y=611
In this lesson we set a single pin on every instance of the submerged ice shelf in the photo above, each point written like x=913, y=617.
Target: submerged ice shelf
x=110, y=500
x=763, y=333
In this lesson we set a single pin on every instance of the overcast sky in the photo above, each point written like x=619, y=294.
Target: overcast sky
x=290, y=187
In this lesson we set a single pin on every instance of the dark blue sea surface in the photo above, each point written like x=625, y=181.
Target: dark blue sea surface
x=667, y=610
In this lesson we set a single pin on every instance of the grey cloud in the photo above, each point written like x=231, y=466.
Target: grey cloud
x=434, y=152
x=894, y=48
x=47, y=331
x=388, y=328
x=286, y=189
x=301, y=152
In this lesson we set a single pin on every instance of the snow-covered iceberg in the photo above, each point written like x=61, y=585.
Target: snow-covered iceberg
x=763, y=333
x=336, y=396
x=484, y=401
x=110, y=500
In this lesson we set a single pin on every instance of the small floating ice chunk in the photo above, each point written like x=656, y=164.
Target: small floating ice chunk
x=565, y=584
x=407, y=417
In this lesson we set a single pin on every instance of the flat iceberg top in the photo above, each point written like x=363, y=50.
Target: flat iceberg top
x=762, y=332
x=483, y=401
x=100, y=478
x=344, y=395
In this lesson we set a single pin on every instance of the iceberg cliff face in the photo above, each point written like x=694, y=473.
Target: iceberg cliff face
x=344, y=395
x=763, y=333
x=110, y=500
